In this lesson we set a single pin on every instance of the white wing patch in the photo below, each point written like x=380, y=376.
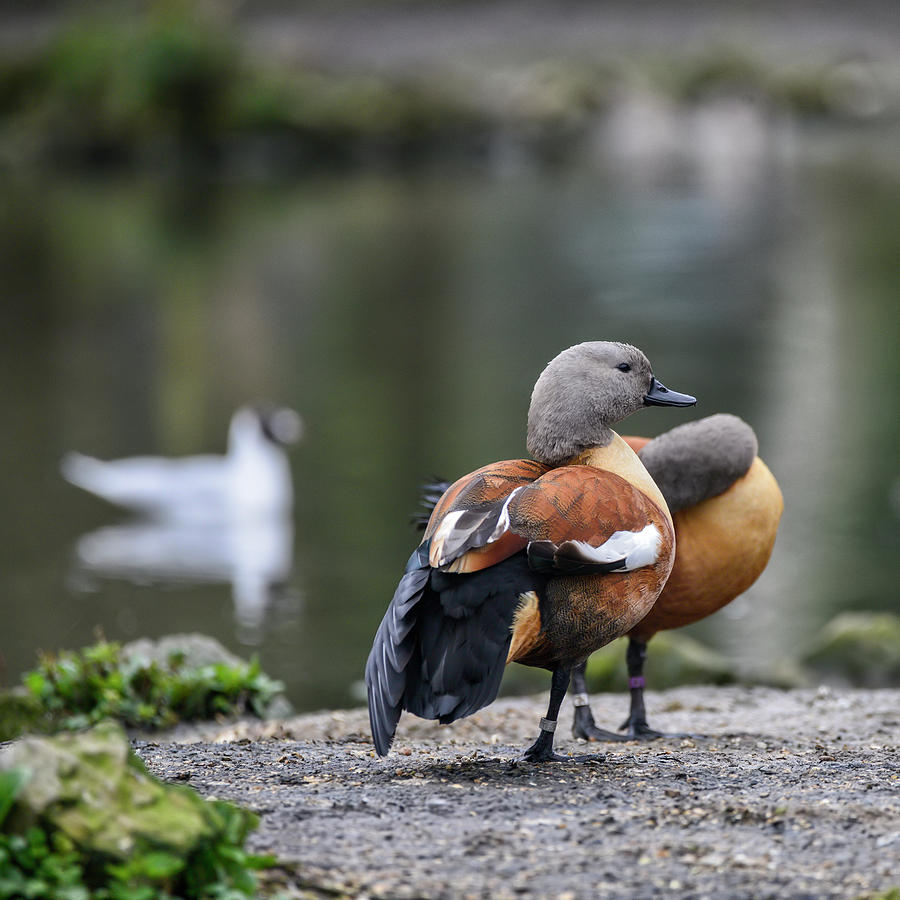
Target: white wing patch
x=636, y=548
x=503, y=522
x=465, y=529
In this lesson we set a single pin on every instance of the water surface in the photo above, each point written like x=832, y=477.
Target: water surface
x=406, y=318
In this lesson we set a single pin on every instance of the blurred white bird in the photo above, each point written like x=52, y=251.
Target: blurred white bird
x=251, y=481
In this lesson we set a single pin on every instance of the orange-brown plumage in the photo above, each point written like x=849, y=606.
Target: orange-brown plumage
x=568, y=503
x=487, y=484
x=724, y=544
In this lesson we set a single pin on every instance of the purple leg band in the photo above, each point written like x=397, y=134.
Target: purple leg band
x=636, y=681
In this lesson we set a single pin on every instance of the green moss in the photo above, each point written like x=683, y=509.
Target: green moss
x=80, y=817
x=862, y=649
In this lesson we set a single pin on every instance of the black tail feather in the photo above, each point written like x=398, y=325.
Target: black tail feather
x=394, y=644
x=440, y=651
x=432, y=491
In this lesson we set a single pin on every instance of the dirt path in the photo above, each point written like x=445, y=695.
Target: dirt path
x=788, y=794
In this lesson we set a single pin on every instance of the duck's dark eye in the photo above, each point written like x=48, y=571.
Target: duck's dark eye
x=623, y=367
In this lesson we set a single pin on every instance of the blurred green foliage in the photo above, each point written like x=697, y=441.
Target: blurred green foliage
x=75, y=689
x=858, y=648
x=174, y=83
x=104, y=87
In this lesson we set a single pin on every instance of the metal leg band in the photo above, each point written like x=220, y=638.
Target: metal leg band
x=548, y=725
x=580, y=700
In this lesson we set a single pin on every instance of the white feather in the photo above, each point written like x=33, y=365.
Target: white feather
x=503, y=522
x=637, y=548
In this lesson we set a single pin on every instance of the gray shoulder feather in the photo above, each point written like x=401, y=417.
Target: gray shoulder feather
x=701, y=459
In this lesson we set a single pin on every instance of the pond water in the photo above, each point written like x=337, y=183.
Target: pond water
x=406, y=317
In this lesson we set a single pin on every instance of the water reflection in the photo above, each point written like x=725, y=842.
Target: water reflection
x=205, y=518
x=254, y=557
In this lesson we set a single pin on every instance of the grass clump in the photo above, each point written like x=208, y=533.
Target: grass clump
x=77, y=688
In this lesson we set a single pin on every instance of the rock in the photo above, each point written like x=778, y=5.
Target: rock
x=92, y=787
x=196, y=649
x=859, y=648
x=672, y=659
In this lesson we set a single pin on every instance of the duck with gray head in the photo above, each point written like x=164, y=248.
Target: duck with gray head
x=537, y=561
x=726, y=506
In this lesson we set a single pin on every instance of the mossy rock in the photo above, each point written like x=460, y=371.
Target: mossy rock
x=672, y=659
x=146, y=684
x=858, y=648
x=93, y=788
x=194, y=649
x=19, y=712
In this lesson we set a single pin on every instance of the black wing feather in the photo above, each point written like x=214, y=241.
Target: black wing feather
x=464, y=634
x=472, y=528
x=551, y=559
x=431, y=492
x=441, y=648
x=391, y=651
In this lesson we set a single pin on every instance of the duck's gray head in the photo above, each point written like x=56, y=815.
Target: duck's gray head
x=584, y=391
x=280, y=424
x=277, y=425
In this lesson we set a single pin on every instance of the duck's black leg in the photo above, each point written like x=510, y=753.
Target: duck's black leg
x=542, y=749
x=583, y=725
x=635, y=726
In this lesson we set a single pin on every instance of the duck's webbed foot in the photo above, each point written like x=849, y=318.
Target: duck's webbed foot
x=542, y=749
x=637, y=729
x=584, y=726
x=635, y=726
x=640, y=731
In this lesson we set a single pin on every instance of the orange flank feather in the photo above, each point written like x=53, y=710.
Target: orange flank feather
x=724, y=543
x=636, y=443
x=526, y=629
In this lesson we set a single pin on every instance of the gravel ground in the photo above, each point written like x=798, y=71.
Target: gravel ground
x=779, y=794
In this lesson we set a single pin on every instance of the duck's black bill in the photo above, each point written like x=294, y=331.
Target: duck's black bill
x=660, y=395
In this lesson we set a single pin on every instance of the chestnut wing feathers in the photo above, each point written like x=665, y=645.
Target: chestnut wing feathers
x=580, y=520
